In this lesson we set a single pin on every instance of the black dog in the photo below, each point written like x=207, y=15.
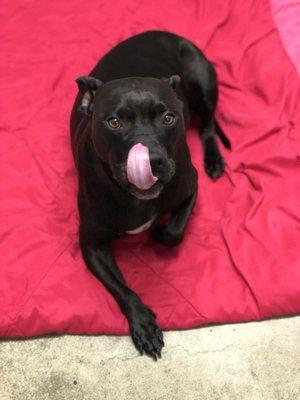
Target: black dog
x=140, y=94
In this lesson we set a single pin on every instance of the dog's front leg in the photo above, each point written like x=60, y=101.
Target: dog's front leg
x=171, y=233
x=145, y=333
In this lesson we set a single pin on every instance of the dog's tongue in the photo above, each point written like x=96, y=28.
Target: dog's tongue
x=139, y=171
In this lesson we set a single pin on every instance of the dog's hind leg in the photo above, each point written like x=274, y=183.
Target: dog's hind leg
x=200, y=81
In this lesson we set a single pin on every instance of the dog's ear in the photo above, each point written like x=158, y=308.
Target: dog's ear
x=87, y=86
x=173, y=81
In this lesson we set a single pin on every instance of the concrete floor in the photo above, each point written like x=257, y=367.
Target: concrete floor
x=243, y=361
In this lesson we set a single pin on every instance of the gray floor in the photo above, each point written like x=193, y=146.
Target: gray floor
x=242, y=361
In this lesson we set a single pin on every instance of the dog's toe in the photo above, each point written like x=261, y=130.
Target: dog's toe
x=148, y=340
x=214, y=166
x=146, y=335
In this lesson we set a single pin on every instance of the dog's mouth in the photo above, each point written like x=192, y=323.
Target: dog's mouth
x=118, y=173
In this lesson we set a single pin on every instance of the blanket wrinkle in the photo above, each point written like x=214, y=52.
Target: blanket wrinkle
x=170, y=285
x=242, y=276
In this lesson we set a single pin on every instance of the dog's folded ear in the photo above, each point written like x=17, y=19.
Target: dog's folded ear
x=173, y=81
x=87, y=86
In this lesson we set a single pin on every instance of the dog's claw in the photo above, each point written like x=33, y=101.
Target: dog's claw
x=146, y=336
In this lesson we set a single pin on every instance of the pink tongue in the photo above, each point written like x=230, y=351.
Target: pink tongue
x=139, y=171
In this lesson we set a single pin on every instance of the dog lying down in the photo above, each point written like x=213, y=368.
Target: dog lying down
x=128, y=130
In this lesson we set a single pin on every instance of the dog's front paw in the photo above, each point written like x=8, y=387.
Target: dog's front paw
x=163, y=235
x=214, y=165
x=146, y=335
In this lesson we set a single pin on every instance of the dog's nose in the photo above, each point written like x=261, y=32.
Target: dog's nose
x=162, y=167
x=157, y=164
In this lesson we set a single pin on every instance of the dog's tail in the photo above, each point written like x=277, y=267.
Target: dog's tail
x=224, y=139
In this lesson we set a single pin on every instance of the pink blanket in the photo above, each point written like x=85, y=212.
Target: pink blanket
x=286, y=15
x=240, y=258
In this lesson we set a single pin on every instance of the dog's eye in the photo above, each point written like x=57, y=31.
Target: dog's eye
x=113, y=123
x=168, y=119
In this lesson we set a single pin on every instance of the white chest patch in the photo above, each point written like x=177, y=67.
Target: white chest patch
x=141, y=228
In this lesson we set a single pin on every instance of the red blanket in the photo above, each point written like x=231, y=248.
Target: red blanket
x=239, y=260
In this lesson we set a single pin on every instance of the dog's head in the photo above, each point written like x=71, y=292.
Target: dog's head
x=137, y=128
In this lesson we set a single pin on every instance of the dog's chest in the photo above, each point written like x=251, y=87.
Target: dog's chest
x=138, y=218
x=141, y=228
